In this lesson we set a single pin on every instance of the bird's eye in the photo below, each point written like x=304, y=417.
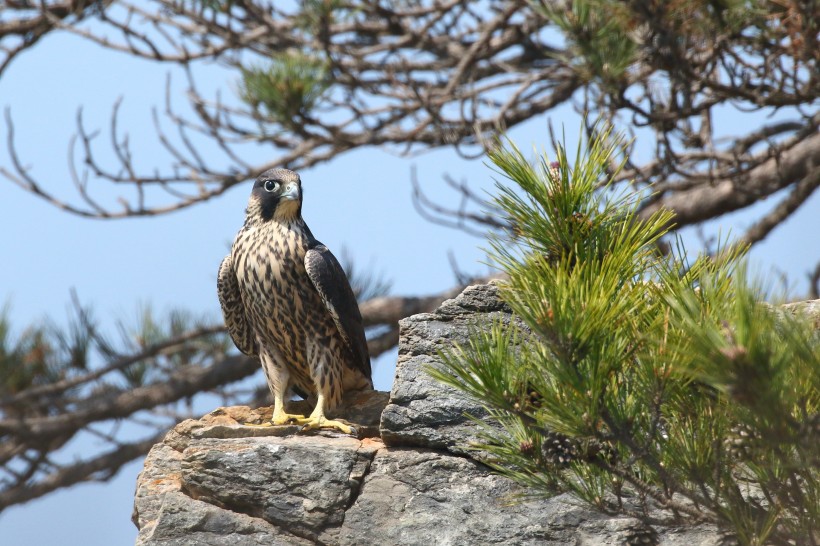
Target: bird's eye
x=270, y=185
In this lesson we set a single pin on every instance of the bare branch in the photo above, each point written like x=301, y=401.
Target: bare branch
x=426, y=75
x=41, y=419
x=185, y=382
x=389, y=310
x=462, y=218
x=383, y=342
x=714, y=197
x=100, y=468
x=25, y=23
x=59, y=387
x=801, y=192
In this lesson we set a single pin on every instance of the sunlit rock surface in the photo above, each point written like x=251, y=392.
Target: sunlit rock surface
x=407, y=478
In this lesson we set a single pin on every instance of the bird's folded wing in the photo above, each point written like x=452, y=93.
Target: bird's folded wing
x=233, y=309
x=331, y=282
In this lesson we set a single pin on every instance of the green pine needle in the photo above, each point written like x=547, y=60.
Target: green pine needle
x=288, y=88
x=677, y=388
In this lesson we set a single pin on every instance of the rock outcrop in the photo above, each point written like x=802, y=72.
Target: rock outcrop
x=407, y=481
x=422, y=412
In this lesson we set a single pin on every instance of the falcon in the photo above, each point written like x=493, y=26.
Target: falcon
x=286, y=299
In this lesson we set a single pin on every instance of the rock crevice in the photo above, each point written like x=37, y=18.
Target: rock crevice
x=359, y=470
x=408, y=479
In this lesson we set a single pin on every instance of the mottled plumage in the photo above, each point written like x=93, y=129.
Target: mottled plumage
x=285, y=298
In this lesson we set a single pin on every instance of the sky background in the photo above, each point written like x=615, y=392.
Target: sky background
x=360, y=201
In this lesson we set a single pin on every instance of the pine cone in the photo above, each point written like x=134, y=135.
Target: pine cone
x=602, y=451
x=534, y=398
x=558, y=449
x=740, y=441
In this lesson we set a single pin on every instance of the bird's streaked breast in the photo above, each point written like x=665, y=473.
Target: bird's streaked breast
x=283, y=306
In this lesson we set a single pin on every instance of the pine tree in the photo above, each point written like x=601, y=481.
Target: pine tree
x=644, y=383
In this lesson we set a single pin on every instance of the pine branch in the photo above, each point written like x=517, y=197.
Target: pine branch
x=318, y=82
x=640, y=372
x=100, y=468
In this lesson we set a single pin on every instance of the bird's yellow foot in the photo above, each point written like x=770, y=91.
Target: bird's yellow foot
x=281, y=419
x=286, y=419
x=312, y=423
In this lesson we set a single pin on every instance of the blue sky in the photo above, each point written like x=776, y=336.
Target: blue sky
x=360, y=201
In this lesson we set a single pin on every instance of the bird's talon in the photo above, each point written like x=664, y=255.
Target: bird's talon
x=314, y=423
x=265, y=424
x=286, y=419
x=279, y=420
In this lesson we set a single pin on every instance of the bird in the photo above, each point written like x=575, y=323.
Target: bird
x=286, y=299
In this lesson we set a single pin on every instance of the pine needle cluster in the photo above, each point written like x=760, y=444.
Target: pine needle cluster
x=645, y=384
x=287, y=88
x=607, y=38
x=46, y=354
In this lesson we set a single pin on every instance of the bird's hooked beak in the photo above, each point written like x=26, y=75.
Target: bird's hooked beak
x=291, y=192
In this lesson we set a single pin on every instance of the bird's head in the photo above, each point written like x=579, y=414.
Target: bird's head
x=276, y=195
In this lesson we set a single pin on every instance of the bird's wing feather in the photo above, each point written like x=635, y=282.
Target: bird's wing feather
x=331, y=282
x=233, y=309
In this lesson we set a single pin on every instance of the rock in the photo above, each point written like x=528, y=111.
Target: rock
x=364, y=409
x=166, y=516
x=249, y=479
x=809, y=309
x=338, y=490
x=219, y=481
x=286, y=490
x=429, y=497
x=184, y=521
x=422, y=412
x=160, y=476
x=302, y=484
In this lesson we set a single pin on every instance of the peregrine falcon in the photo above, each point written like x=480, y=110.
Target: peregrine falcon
x=285, y=298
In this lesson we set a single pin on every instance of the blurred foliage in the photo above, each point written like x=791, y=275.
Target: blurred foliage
x=62, y=384
x=316, y=15
x=287, y=88
x=365, y=281
x=608, y=37
x=643, y=383
x=42, y=354
x=45, y=354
